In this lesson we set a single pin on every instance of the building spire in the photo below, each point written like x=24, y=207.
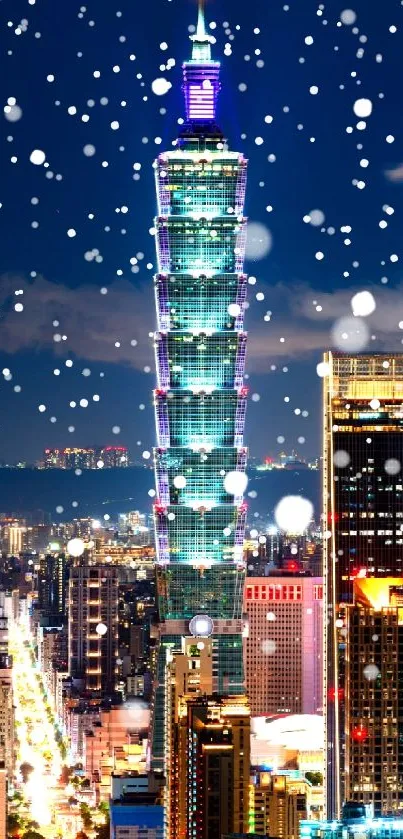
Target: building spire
x=201, y=82
x=201, y=24
x=201, y=40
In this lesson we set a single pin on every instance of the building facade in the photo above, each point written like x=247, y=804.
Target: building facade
x=357, y=820
x=7, y=720
x=287, y=807
x=220, y=764
x=362, y=497
x=114, y=741
x=93, y=627
x=189, y=673
x=284, y=616
x=52, y=588
x=130, y=820
x=211, y=761
x=373, y=699
x=3, y=801
x=13, y=538
x=200, y=399
x=278, y=803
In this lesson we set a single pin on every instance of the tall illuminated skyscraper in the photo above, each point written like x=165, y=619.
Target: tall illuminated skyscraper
x=200, y=399
x=374, y=707
x=93, y=628
x=363, y=511
x=207, y=772
x=52, y=585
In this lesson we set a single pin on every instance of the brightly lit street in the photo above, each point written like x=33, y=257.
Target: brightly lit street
x=39, y=761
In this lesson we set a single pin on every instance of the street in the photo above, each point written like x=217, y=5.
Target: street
x=38, y=752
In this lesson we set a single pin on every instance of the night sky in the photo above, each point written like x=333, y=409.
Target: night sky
x=76, y=84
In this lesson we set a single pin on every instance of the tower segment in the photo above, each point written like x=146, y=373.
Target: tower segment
x=200, y=399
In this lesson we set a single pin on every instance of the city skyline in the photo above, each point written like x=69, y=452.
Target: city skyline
x=212, y=656
x=303, y=176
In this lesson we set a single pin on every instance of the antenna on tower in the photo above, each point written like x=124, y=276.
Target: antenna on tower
x=201, y=39
x=201, y=24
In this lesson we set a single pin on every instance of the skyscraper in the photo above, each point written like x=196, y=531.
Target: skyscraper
x=93, y=627
x=208, y=768
x=284, y=625
x=362, y=497
x=200, y=399
x=52, y=584
x=374, y=704
x=3, y=801
x=6, y=714
x=189, y=672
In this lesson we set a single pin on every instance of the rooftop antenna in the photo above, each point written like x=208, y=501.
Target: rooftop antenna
x=201, y=24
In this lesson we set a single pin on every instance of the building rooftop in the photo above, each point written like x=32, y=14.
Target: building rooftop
x=143, y=815
x=302, y=732
x=382, y=827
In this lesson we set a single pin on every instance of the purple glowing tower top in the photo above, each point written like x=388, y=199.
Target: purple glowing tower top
x=201, y=77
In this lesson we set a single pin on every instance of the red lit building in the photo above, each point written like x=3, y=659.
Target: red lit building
x=283, y=651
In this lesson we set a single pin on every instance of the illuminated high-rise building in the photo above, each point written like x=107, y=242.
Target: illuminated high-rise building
x=189, y=672
x=69, y=458
x=93, y=627
x=207, y=760
x=113, y=457
x=13, y=534
x=363, y=513
x=3, y=801
x=214, y=747
x=6, y=714
x=220, y=764
x=280, y=802
x=373, y=695
x=284, y=625
x=52, y=587
x=200, y=399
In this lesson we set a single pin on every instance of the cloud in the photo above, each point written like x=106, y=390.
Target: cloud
x=265, y=346
x=300, y=330
x=395, y=175
x=94, y=322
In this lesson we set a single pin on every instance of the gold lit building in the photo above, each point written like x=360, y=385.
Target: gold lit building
x=139, y=558
x=207, y=749
x=287, y=805
x=280, y=800
x=363, y=518
x=374, y=677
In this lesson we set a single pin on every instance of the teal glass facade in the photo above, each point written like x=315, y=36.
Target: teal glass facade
x=200, y=400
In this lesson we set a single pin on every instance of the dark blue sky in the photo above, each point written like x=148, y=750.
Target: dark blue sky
x=314, y=165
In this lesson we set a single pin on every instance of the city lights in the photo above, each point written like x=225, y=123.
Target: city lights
x=198, y=639
x=37, y=744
